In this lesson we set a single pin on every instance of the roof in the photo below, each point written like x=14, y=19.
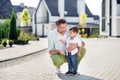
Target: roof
x=96, y=17
x=17, y=8
x=31, y=10
x=118, y=1
x=71, y=7
x=5, y=9
x=89, y=14
x=53, y=7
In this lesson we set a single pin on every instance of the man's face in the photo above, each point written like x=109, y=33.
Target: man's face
x=61, y=28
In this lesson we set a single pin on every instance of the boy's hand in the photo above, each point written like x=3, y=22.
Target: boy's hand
x=72, y=47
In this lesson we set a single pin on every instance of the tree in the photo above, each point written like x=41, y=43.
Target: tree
x=25, y=17
x=83, y=18
x=0, y=33
x=7, y=28
x=13, y=33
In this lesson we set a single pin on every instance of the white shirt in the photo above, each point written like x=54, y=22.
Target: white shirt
x=75, y=40
x=61, y=46
x=54, y=40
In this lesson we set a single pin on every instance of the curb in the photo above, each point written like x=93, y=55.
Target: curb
x=22, y=56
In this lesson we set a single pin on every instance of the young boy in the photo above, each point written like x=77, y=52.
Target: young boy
x=72, y=55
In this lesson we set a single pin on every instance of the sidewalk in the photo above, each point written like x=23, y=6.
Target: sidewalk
x=18, y=51
x=101, y=62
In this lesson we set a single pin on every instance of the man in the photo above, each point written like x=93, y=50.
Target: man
x=55, y=45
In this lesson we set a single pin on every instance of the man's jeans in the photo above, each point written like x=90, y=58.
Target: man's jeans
x=72, y=62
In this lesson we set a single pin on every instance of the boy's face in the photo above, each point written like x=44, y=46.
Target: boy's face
x=72, y=34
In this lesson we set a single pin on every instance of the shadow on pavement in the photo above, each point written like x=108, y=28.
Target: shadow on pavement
x=76, y=77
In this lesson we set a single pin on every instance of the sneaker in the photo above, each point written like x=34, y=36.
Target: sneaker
x=58, y=71
x=75, y=74
x=68, y=73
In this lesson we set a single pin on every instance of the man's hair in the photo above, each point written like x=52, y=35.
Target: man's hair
x=74, y=29
x=60, y=21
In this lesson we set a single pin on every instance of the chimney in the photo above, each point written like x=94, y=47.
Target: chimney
x=61, y=7
x=22, y=5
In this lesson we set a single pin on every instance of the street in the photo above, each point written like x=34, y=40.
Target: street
x=101, y=62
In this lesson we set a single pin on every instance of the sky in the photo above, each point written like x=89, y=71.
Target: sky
x=94, y=5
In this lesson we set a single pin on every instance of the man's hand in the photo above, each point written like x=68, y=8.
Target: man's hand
x=83, y=43
x=61, y=52
x=72, y=47
x=62, y=41
x=79, y=54
x=53, y=52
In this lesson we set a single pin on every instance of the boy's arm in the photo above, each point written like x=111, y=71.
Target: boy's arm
x=71, y=47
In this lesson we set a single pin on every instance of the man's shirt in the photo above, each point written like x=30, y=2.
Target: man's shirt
x=54, y=38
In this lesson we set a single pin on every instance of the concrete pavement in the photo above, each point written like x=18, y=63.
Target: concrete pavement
x=101, y=62
x=22, y=50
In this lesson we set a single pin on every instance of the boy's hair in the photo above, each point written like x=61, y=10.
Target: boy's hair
x=74, y=29
x=60, y=21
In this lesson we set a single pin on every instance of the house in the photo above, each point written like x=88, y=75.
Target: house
x=110, y=18
x=5, y=9
x=18, y=10
x=48, y=11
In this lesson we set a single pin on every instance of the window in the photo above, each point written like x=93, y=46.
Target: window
x=103, y=15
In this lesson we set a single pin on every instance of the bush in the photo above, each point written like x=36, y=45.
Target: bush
x=0, y=33
x=21, y=42
x=32, y=37
x=0, y=41
x=84, y=35
x=10, y=43
x=18, y=31
x=4, y=43
x=22, y=39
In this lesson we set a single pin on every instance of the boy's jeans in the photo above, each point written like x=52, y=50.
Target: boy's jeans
x=72, y=62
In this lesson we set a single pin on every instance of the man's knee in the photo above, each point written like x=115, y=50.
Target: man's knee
x=58, y=59
x=82, y=54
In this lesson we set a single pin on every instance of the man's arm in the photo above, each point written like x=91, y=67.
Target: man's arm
x=79, y=51
x=51, y=44
x=83, y=43
x=53, y=52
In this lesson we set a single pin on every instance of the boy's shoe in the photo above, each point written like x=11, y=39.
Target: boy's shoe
x=68, y=73
x=75, y=73
x=58, y=71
